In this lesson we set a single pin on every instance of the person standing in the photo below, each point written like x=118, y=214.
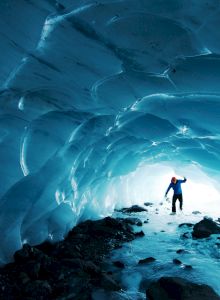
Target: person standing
x=177, y=192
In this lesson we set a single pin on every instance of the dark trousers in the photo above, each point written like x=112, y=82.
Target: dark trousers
x=180, y=198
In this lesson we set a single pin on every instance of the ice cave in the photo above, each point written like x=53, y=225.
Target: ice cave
x=101, y=103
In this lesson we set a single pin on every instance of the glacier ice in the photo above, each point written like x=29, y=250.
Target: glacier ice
x=95, y=98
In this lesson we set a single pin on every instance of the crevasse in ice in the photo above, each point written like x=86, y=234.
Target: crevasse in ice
x=100, y=103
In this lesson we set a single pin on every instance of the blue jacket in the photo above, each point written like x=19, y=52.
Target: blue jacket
x=176, y=187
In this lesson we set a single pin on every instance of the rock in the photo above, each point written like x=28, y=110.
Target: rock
x=119, y=264
x=196, y=212
x=71, y=268
x=85, y=294
x=29, y=253
x=168, y=288
x=187, y=267
x=39, y=289
x=52, y=270
x=146, y=221
x=186, y=235
x=133, y=209
x=177, y=261
x=181, y=251
x=24, y=254
x=46, y=247
x=68, y=249
x=110, y=273
x=139, y=234
x=146, y=260
x=134, y=221
x=23, y=278
x=108, y=283
x=71, y=286
x=205, y=228
x=186, y=224
x=32, y=268
x=112, y=223
x=118, y=246
x=90, y=268
x=148, y=204
x=75, y=263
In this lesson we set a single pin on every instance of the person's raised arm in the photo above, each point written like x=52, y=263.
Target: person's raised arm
x=183, y=180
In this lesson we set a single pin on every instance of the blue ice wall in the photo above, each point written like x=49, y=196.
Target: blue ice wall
x=92, y=90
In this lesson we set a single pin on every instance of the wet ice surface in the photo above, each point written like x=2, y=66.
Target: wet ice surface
x=162, y=239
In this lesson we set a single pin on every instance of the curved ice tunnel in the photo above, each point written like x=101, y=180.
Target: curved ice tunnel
x=100, y=104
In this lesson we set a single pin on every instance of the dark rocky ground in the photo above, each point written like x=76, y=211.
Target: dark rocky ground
x=70, y=269
x=74, y=268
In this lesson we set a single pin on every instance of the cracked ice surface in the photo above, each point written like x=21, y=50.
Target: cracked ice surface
x=92, y=91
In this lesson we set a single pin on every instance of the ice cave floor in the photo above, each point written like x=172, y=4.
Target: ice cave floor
x=174, y=250
x=121, y=257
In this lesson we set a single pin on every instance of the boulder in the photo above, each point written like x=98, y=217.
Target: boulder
x=168, y=288
x=177, y=261
x=134, y=221
x=133, y=209
x=205, y=228
x=146, y=260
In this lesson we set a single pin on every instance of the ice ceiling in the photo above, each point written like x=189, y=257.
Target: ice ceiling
x=93, y=91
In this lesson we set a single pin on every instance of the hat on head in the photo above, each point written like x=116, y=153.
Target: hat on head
x=173, y=179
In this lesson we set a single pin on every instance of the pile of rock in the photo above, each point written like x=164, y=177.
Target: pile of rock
x=70, y=269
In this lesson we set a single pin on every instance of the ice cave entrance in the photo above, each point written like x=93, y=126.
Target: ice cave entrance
x=148, y=183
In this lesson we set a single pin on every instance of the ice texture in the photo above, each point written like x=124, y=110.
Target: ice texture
x=92, y=92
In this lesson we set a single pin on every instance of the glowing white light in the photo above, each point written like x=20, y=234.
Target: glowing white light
x=149, y=183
